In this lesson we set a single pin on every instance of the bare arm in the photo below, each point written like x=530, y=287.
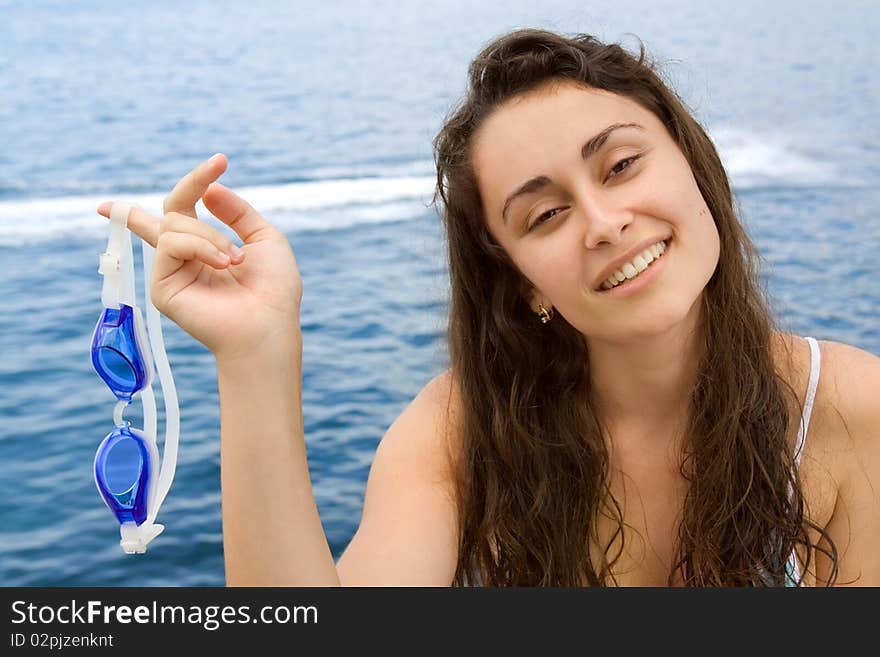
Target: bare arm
x=272, y=532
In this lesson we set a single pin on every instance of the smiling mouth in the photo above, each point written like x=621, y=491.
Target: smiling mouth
x=635, y=267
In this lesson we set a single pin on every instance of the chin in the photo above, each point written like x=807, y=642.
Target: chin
x=651, y=321
x=672, y=315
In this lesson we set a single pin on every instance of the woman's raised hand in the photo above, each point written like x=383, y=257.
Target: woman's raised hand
x=231, y=300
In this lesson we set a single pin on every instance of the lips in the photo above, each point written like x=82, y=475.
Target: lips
x=627, y=257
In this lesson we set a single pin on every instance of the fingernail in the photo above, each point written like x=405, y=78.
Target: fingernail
x=235, y=251
x=214, y=157
x=222, y=257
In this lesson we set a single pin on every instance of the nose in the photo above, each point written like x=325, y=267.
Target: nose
x=604, y=223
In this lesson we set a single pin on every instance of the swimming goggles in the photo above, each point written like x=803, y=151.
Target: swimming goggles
x=128, y=472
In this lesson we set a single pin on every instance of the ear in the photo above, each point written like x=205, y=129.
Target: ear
x=535, y=300
x=532, y=296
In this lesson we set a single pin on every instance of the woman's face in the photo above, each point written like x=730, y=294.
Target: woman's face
x=573, y=211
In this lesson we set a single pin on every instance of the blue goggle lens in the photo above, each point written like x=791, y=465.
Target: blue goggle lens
x=116, y=355
x=122, y=473
x=117, y=368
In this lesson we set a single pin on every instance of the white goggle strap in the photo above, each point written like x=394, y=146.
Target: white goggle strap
x=169, y=393
x=117, y=262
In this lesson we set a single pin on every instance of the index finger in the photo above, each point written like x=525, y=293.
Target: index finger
x=140, y=222
x=235, y=212
x=192, y=186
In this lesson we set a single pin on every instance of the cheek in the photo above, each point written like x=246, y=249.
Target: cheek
x=538, y=269
x=688, y=211
x=547, y=265
x=672, y=185
x=707, y=237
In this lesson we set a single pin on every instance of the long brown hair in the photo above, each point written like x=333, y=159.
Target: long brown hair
x=533, y=471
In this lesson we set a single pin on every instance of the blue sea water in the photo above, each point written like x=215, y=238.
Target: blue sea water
x=326, y=112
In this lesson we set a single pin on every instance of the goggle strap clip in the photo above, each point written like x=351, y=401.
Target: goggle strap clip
x=108, y=266
x=116, y=263
x=136, y=538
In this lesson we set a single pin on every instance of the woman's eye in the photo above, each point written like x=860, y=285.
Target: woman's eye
x=545, y=216
x=623, y=164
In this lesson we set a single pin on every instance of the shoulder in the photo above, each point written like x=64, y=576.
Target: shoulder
x=846, y=412
x=849, y=386
x=849, y=421
x=849, y=378
x=439, y=400
x=427, y=430
x=441, y=391
x=852, y=371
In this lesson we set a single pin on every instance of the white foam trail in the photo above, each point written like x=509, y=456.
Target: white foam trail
x=752, y=160
x=318, y=205
x=762, y=160
x=337, y=193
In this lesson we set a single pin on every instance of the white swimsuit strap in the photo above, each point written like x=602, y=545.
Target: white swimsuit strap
x=815, y=366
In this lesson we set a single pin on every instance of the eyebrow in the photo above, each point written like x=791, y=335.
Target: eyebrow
x=587, y=151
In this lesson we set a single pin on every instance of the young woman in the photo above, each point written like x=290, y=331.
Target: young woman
x=619, y=407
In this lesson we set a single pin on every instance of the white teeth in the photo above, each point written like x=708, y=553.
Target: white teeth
x=636, y=266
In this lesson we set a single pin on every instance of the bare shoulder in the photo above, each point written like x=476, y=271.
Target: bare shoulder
x=848, y=389
x=442, y=392
x=429, y=425
x=848, y=418
x=850, y=385
x=853, y=375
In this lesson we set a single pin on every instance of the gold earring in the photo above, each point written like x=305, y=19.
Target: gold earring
x=545, y=314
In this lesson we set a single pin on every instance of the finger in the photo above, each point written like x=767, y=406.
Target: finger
x=192, y=186
x=176, y=249
x=235, y=212
x=140, y=222
x=178, y=223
